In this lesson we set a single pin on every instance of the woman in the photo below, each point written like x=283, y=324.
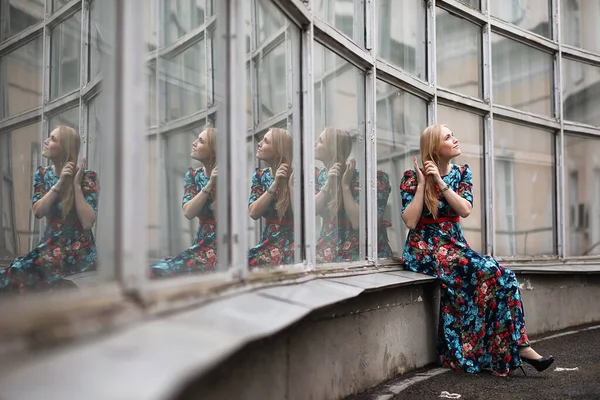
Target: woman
x=68, y=197
x=482, y=325
x=271, y=197
x=337, y=200
x=198, y=202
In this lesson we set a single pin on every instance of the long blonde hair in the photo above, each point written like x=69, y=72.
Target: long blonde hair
x=283, y=143
x=211, y=141
x=338, y=145
x=431, y=138
x=70, y=142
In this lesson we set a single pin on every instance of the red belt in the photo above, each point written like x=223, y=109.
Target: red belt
x=273, y=221
x=207, y=221
x=429, y=221
x=52, y=220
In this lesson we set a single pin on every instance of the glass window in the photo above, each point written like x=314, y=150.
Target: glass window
x=19, y=157
x=468, y=129
x=339, y=157
x=348, y=16
x=581, y=92
x=582, y=207
x=524, y=199
x=21, y=73
x=95, y=40
x=532, y=15
x=56, y=4
x=69, y=117
x=273, y=139
x=472, y=3
x=521, y=76
x=184, y=79
x=579, y=22
x=18, y=15
x=401, y=117
x=401, y=31
x=65, y=57
x=182, y=17
x=458, y=54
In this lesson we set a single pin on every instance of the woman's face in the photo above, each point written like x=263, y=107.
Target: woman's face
x=320, y=148
x=266, y=151
x=52, y=149
x=201, y=151
x=449, y=147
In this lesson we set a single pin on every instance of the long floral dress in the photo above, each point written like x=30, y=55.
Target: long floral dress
x=276, y=245
x=338, y=240
x=202, y=256
x=65, y=249
x=482, y=322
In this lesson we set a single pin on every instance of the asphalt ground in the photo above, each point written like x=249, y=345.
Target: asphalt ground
x=576, y=352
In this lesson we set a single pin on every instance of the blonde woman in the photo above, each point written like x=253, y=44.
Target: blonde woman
x=337, y=200
x=67, y=196
x=271, y=197
x=198, y=202
x=482, y=326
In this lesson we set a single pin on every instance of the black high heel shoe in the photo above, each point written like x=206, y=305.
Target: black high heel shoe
x=540, y=364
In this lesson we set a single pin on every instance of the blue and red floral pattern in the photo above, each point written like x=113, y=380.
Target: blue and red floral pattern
x=482, y=322
x=276, y=245
x=202, y=256
x=338, y=240
x=65, y=249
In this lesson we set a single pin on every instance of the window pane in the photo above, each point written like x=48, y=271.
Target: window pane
x=181, y=17
x=524, y=199
x=579, y=22
x=69, y=118
x=348, y=16
x=472, y=3
x=468, y=129
x=582, y=208
x=459, y=57
x=581, y=92
x=95, y=40
x=65, y=56
x=21, y=74
x=340, y=141
x=533, y=15
x=184, y=79
x=272, y=141
x=56, y=4
x=521, y=76
x=401, y=34
x=19, y=15
x=19, y=158
x=400, y=119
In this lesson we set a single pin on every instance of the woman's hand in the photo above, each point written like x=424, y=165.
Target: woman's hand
x=68, y=171
x=431, y=169
x=282, y=174
x=349, y=173
x=213, y=175
x=333, y=175
x=420, y=176
x=79, y=174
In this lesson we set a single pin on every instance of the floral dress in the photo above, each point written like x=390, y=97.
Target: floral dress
x=276, y=245
x=65, y=249
x=482, y=323
x=202, y=256
x=338, y=240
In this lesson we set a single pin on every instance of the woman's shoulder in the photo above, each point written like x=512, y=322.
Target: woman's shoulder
x=462, y=168
x=88, y=173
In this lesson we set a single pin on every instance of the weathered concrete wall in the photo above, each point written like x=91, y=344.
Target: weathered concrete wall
x=334, y=352
x=555, y=302
x=348, y=347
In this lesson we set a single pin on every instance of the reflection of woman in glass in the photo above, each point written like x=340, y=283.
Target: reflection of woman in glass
x=68, y=197
x=482, y=326
x=271, y=198
x=198, y=202
x=337, y=200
